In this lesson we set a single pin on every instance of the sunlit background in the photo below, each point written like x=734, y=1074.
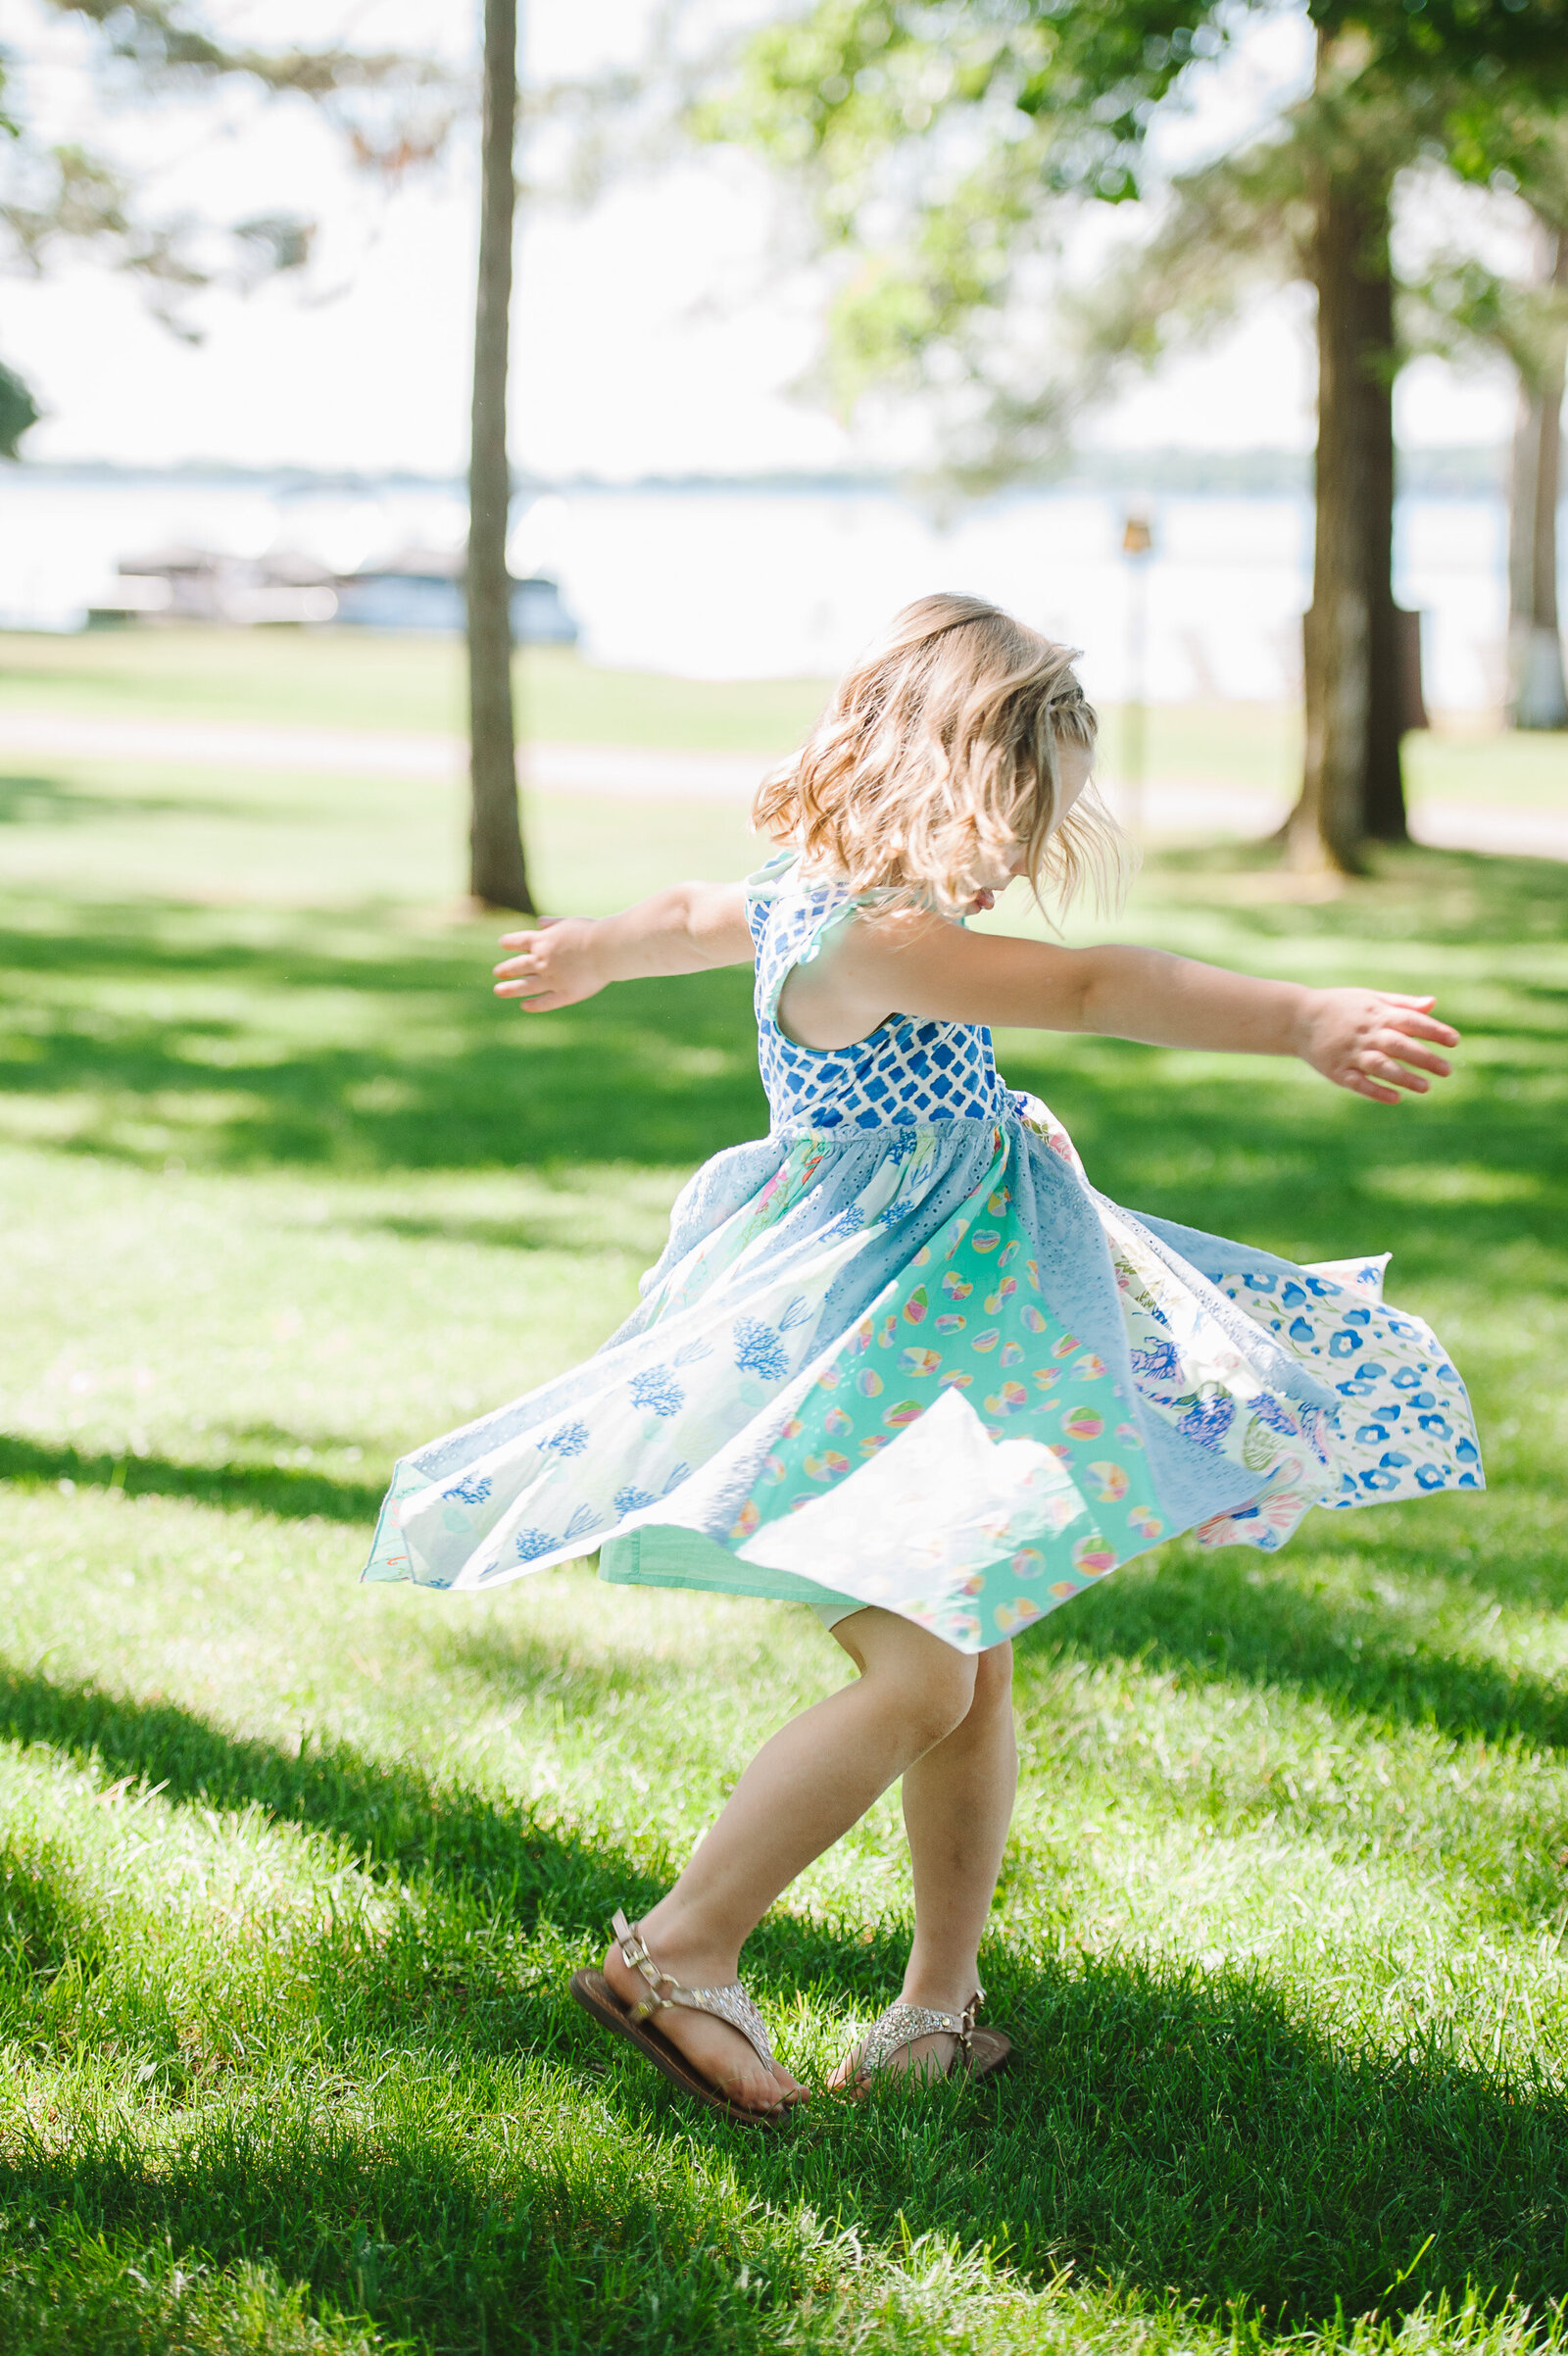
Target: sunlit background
x=702, y=511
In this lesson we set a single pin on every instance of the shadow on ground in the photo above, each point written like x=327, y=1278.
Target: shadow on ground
x=1216, y=1616
x=384, y=1052
x=1208, y=1616
x=360, y=1044
x=1166, y=2128
x=294, y=1493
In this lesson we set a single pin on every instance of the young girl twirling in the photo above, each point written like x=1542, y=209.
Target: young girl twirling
x=899, y=1362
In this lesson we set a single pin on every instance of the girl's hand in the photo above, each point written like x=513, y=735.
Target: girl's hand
x=554, y=966
x=1370, y=1040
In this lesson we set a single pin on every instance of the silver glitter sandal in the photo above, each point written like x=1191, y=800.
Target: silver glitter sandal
x=731, y=2005
x=980, y=2050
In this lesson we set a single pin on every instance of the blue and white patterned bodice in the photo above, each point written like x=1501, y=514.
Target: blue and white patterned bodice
x=906, y=1073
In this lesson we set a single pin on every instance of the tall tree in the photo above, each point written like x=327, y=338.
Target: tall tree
x=942, y=138
x=1537, y=693
x=1356, y=686
x=1463, y=298
x=497, y=870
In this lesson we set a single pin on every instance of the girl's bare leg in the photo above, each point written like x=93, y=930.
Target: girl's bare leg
x=816, y=1778
x=957, y=1803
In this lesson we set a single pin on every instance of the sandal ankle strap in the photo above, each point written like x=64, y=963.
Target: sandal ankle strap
x=969, y=2012
x=729, y=2004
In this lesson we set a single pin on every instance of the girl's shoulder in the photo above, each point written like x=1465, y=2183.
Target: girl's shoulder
x=794, y=914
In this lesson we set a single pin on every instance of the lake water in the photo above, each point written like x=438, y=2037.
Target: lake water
x=737, y=583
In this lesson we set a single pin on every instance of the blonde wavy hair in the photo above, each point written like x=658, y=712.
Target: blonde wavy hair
x=939, y=753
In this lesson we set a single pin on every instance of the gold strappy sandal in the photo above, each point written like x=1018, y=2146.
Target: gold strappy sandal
x=980, y=2050
x=731, y=2005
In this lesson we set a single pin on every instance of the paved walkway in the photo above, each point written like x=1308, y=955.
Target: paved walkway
x=1172, y=806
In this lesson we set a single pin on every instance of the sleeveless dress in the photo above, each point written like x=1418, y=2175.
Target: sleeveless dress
x=901, y=1352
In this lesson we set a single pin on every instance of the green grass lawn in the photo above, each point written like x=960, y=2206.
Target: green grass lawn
x=295, y=1872
x=339, y=679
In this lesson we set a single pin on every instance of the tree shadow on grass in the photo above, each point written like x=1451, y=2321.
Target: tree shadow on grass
x=293, y=1491
x=1417, y=892
x=564, y=1230
x=1172, y=2130
x=384, y=1051
x=1226, y=1619
x=1220, y=1616
x=1317, y=1175
x=28, y=800
x=47, y=1920
x=353, y=1041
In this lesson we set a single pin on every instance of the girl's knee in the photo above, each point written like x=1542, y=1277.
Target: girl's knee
x=933, y=1688
x=937, y=1694
x=993, y=1679
x=929, y=1686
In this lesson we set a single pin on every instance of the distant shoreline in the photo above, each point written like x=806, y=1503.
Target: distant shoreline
x=1460, y=470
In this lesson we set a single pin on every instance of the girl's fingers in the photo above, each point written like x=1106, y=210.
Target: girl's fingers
x=1361, y=1084
x=540, y=924
x=1425, y=1026
x=1405, y=1051
x=1385, y=1069
x=1401, y=998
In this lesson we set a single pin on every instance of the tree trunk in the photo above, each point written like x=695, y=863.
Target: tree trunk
x=1351, y=787
x=1537, y=695
x=496, y=872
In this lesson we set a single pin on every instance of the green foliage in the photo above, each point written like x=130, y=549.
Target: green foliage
x=164, y=38
x=394, y=109
x=947, y=145
x=293, y=1873
x=17, y=412
x=1460, y=303
x=857, y=79
x=1480, y=40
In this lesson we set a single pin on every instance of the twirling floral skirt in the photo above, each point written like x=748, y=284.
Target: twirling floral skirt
x=931, y=1368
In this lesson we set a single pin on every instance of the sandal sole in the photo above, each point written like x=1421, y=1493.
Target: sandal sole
x=595, y=1994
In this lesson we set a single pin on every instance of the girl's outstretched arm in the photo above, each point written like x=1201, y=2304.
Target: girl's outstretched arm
x=683, y=930
x=1376, y=1041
